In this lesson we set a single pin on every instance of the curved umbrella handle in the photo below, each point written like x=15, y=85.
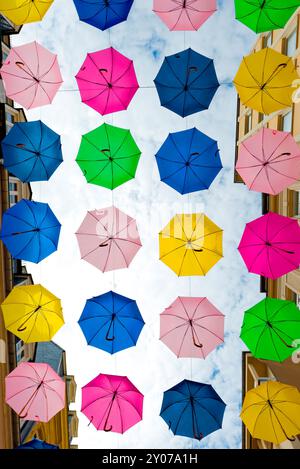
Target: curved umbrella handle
x=107, y=429
x=196, y=343
x=198, y=250
x=23, y=416
x=21, y=329
x=111, y=324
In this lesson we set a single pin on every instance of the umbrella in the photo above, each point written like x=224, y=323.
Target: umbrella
x=35, y=443
x=32, y=313
x=270, y=245
x=108, y=239
x=270, y=328
x=271, y=412
x=112, y=403
x=191, y=244
x=103, y=14
x=108, y=156
x=189, y=161
x=35, y=391
x=265, y=81
x=31, y=151
x=269, y=161
x=31, y=75
x=111, y=322
x=192, y=327
x=107, y=81
x=186, y=82
x=262, y=15
x=184, y=15
x=30, y=231
x=192, y=409
x=25, y=11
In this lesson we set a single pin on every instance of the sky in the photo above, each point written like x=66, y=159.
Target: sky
x=151, y=366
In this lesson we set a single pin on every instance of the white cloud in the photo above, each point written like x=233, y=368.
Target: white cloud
x=151, y=366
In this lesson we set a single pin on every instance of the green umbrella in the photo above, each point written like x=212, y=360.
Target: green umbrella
x=270, y=328
x=265, y=15
x=108, y=156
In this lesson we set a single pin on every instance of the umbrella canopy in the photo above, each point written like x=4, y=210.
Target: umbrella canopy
x=192, y=327
x=103, y=14
x=108, y=156
x=191, y=244
x=31, y=75
x=271, y=412
x=186, y=82
x=265, y=81
x=184, y=15
x=262, y=15
x=192, y=409
x=107, y=81
x=112, y=403
x=30, y=231
x=32, y=313
x=31, y=151
x=108, y=239
x=25, y=11
x=269, y=161
x=270, y=245
x=111, y=322
x=189, y=161
x=35, y=391
x=35, y=443
x=270, y=328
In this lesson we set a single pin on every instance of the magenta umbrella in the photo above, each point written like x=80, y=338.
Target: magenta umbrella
x=107, y=81
x=192, y=327
x=270, y=245
x=108, y=239
x=112, y=403
x=31, y=75
x=35, y=391
x=269, y=161
x=184, y=15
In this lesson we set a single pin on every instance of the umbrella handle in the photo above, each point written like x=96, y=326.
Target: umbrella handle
x=23, y=416
x=91, y=421
x=107, y=429
x=198, y=250
x=21, y=329
x=196, y=343
x=111, y=324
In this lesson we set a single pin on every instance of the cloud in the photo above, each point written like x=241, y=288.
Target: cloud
x=150, y=366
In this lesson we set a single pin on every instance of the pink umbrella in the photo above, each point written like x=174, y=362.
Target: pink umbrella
x=184, y=15
x=112, y=403
x=35, y=392
x=270, y=245
x=31, y=75
x=108, y=239
x=269, y=161
x=107, y=81
x=192, y=327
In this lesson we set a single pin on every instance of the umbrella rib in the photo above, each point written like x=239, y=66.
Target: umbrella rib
x=121, y=396
x=170, y=252
x=183, y=339
x=180, y=417
x=20, y=127
x=211, y=332
x=177, y=148
x=98, y=330
x=115, y=242
x=118, y=319
x=175, y=328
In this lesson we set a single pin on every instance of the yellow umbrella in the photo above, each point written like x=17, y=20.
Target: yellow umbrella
x=265, y=81
x=271, y=412
x=191, y=244
x=32, y=313
x=24, y=11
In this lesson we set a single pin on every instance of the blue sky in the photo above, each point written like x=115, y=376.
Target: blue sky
x=150, y=365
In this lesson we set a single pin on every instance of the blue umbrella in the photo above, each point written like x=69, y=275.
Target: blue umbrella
x=192, y=409
x=37, y=444
x=189, y=161
x=32, y=151
x=30, y=231
x=186, y=82
x=111, y=322
x=103, y=14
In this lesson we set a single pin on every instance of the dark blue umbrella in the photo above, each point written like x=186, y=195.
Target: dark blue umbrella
x=186, y=82
x=37, y=444
x=189, y=161
x=30, y=231
x=192, y=409
x=111, y=322
x=103, y=14
x=32, y=151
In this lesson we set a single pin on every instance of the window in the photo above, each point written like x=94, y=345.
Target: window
x=296, y=204
x=291, y=44
x=13, y=187
x=10, y=118
x=19, y=350
x=268, y=39
x=260, y=117
x=13, y=199
x=287, y=122
x=248, y=123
